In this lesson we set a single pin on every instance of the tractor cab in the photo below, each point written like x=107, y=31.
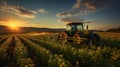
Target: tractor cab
x=74, y=27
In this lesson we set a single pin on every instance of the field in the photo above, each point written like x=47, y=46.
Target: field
x=34, y=50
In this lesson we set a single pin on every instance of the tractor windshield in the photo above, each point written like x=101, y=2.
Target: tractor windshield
x=79, y=27
x=74, y=27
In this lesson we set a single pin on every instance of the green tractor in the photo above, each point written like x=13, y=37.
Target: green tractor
x=76, y=33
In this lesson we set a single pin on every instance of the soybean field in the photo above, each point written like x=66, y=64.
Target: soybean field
x=29, y=50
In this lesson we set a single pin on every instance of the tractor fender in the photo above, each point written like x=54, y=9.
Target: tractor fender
x=91, y=35
x=94, y=35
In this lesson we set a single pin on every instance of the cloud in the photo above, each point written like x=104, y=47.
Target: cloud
x=1, y=19
x=18, y=10
x=29, y=24
x=71, y=19
x=83, y=7
x=41, y=10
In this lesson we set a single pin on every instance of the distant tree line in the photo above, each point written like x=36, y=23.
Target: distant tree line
x=114, y=30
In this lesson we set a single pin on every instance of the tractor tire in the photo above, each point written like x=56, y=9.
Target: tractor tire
x=76, y=39
x=94, y=39
x=63, y=37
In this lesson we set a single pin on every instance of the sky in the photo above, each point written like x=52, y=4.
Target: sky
x=103, y=14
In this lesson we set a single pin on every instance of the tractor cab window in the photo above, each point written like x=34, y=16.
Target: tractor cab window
x=68, y=27
x=79, y=27
x=71, y=27
x=74, y=27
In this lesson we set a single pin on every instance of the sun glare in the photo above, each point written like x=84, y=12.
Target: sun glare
x=13, y=26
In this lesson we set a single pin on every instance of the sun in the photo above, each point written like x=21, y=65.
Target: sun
x=13, y=26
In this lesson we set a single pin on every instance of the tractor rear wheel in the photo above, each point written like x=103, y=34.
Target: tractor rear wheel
x=94, y=39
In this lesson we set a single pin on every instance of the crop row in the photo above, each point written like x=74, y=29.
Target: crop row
x=21, y=54
x=52, y=60
x=54, y=54
x=95, y=56
x=3, y=48
x=3, y=39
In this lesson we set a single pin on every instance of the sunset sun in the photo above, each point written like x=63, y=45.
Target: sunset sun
x=13, y=27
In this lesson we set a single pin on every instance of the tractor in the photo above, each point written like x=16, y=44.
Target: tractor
x=76, y=33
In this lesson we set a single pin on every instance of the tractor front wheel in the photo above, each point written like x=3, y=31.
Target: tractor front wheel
x=76, y=39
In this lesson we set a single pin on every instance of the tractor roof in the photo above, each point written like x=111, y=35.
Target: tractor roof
x=82, y=22
x=74, y=23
